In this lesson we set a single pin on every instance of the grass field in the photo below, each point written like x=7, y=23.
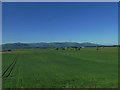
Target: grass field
x=50, y=68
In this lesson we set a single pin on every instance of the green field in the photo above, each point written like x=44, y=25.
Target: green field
x=50, y=68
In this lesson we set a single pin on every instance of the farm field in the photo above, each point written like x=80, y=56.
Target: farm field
x=50, y=68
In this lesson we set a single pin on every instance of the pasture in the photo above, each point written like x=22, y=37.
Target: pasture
x=51, y=68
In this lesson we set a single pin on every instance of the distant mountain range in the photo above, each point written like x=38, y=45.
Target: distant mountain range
x=47, y=45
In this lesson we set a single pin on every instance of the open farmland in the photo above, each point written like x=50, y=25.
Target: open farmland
x=50, y=68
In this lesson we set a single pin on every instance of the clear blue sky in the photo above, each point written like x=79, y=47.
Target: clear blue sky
x=60, y=22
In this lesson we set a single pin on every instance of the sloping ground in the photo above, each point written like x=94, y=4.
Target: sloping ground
x=50, y=68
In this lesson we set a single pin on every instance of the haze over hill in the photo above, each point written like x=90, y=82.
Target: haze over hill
x=47, y=45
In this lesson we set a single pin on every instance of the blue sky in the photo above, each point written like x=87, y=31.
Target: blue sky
x=60, y=22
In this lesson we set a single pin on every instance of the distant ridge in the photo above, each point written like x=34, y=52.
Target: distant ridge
x=47, y=45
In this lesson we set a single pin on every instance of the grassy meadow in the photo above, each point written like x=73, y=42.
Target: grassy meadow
x=51, y=68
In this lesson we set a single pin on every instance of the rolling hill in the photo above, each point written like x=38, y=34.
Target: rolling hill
x=46, y=45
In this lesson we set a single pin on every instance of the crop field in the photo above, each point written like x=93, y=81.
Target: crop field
x=51, y=68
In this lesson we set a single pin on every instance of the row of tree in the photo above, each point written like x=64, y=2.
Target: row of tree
x=69, y=48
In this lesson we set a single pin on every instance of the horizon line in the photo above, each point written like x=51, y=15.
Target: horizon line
x=57, y=42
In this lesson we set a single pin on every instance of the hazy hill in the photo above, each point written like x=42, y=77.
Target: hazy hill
x=46, y=45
